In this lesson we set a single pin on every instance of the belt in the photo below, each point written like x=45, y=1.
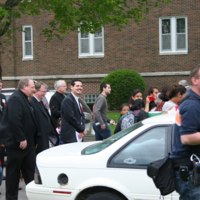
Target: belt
x=182, y=162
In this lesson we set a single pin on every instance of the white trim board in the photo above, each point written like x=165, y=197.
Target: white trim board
x=92, y=76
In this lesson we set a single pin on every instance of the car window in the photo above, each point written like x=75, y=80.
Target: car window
x=149, y=146
x=95, y=148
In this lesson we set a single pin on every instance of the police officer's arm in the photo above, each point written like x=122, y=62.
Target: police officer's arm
x=191, y=139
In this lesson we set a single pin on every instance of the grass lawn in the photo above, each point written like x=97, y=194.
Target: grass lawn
x=115, y=115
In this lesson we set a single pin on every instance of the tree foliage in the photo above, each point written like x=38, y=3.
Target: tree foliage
x=69, y=15
x=122, y=82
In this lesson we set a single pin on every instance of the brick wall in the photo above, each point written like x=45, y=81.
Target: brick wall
x=135, y=47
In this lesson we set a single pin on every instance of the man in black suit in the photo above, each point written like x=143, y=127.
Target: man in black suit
x=47, y=136
x=72, y=116
x=20, y=135
x=3, y=103
x=56, y=100
x=2, y=100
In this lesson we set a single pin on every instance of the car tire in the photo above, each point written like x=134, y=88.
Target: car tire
x=104, y=196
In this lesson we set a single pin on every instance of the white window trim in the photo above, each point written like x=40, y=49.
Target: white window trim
x=91, y=54
x=24, y=56
x=90, y=98
x=173, y=34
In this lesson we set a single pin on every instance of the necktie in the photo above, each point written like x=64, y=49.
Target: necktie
x=42, y=106
x=80, y=106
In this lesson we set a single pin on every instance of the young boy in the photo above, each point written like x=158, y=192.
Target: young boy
x=123, y=110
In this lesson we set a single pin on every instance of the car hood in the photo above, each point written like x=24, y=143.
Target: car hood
x=65, y=155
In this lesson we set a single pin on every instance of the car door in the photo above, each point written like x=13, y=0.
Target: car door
x=130, y=161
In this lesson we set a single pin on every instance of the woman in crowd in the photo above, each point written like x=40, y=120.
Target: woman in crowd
x=163, y=96
x=138, y=110
x=176, y=94
x=137, y=94
x=151, y=99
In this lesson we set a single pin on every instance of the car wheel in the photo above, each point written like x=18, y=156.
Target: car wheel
x=104, y=196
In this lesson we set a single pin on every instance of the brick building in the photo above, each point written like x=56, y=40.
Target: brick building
x=163, y=48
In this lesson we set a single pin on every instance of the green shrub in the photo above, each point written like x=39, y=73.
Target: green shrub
x=122, y=82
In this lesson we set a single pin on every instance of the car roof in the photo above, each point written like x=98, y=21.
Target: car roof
x=163, y=118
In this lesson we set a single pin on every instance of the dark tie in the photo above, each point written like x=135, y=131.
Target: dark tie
x=80, y=106
x=42, y=107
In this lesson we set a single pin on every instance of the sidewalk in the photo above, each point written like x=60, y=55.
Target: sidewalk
x=21, y=195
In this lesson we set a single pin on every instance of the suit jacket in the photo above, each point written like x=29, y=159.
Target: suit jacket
x=3, y=103
x=46, y=126
x=55, y=106
x=72, y=119
x=19, y=122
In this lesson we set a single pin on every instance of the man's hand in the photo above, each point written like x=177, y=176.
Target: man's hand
x=112, y=122
x=83, y=134
x=23, y=144
x=103, y=126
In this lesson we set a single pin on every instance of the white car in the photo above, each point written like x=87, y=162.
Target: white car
x=113, y=169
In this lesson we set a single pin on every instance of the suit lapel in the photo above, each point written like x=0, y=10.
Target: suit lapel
x=42, y=108
x=30, y=108
x=76, y=104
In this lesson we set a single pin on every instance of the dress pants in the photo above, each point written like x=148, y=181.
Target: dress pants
x=186, y=189
x=18, y=162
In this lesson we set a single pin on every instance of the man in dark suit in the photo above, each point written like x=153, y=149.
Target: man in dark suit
x=47, y=136
x=72, y=116
x=20, y=135
x=56, y=100
x=3, y=103
x=2, y=100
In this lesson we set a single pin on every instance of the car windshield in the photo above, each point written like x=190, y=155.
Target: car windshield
x=95, y=148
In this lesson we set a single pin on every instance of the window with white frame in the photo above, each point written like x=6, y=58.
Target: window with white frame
x=27, y=42
x=91, y=45
x=173, y=35
x=90, y=98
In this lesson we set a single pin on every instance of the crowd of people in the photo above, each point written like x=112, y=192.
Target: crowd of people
x=28, y=128
x=137, y=109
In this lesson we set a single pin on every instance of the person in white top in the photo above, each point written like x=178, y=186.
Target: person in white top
x=176, y=94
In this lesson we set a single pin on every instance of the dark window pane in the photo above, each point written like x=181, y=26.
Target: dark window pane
x=98, y=34
x=27, y=34
x=84, y=35
x=166, y=26
x=180, y=25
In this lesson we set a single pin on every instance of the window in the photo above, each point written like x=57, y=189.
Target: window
x=90, y=98
x=97, y=147
x=150, y=146
x=173, y=35
x=27, y=42
x=91, y=45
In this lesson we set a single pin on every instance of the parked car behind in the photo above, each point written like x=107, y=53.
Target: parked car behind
x=113, y=169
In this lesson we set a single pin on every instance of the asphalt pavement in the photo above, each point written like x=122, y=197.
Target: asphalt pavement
x=21, y=195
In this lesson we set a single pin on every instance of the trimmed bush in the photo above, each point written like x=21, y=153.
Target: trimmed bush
x=122, y=82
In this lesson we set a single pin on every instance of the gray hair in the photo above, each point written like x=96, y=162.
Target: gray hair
x=59, y=83
x=183, y=83
x=23, y=83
